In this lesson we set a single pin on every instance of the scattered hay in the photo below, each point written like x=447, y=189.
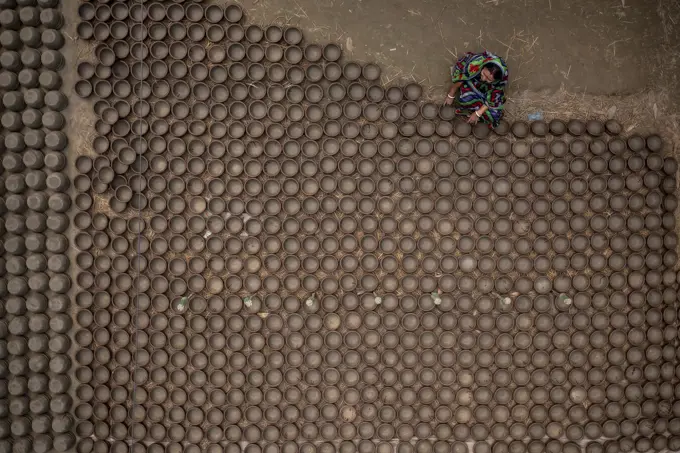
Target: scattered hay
x=100, y=204
x=633, y=111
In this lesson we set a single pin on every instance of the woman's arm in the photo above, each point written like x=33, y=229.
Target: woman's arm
x=452, y=93
x=476, y=115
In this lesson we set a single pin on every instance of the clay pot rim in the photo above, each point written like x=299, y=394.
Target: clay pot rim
x=233, y=13
x=331, y=52
x=273, y=33
x=292, y=35
x=83, y=88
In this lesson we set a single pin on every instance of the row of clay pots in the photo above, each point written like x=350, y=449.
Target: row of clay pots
x=254, y=107
x=387, y=148
x=172, y=342
x=407, y=333
x=631, y=168
x=426, y=223
x=541, y=304
x=119, y=49
x=406, y=362
x=509, y=178
x=52, y=60
x=659, y=257
x=177, y=204
x=430, y=264
x=502, y=207
x=199, y=72
x=568, y=219
x=32, y=16
x=579, y=224
x=275, y=264
x=504, y=341
x=325, y=407
x=32, y=38
x=404, y=432
x=159, y=12
x=593, y=128
x=252, y=283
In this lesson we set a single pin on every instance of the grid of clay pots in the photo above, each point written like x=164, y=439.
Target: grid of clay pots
x=347, y=250
x=34, y=264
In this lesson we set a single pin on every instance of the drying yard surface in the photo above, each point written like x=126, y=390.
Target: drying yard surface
x=220, y=232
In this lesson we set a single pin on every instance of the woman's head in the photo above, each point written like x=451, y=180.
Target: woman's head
x=491, y=73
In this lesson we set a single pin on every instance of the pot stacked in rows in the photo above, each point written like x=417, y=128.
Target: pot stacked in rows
x=36, y=377
x=280, y=253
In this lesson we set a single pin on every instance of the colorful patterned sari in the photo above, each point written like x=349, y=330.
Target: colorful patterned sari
x=474, y=92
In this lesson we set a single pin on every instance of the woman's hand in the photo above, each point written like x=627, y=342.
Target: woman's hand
x=473, y=118
x=449, y=99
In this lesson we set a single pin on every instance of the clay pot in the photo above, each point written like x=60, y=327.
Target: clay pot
x=174, y=13
x=119, y=30
x=413, y=91
x=215, y=33
x=371, y=72
x=595, y=128
x=199, y=72
x=237, y=71
x=655, y=144
x=85, y=70
x=356, y=92
x=292, y=36
x=274, y=34
x=539, y=128
x=233, y=13
x=461, y=128
x=256, y=71
x=333, y=71
x=520, y=129
x=83, y=88
x=576, y=127
x=636, y=143
x=481, y=131
x=218, y=73
x=121, y=49
x=613, y=127
x=178, y=50
x=332, y=52
x=236, y=51
x=255, y=52
x=293, y=55
x=351, y=71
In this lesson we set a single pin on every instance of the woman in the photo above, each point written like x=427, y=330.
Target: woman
x=481, y=79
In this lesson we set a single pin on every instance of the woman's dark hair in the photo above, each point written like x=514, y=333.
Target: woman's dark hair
x=495, y=71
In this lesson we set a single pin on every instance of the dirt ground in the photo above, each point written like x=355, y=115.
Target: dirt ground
x=582, y=58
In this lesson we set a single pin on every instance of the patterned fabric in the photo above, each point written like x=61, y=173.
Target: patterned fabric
x=474, y=92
